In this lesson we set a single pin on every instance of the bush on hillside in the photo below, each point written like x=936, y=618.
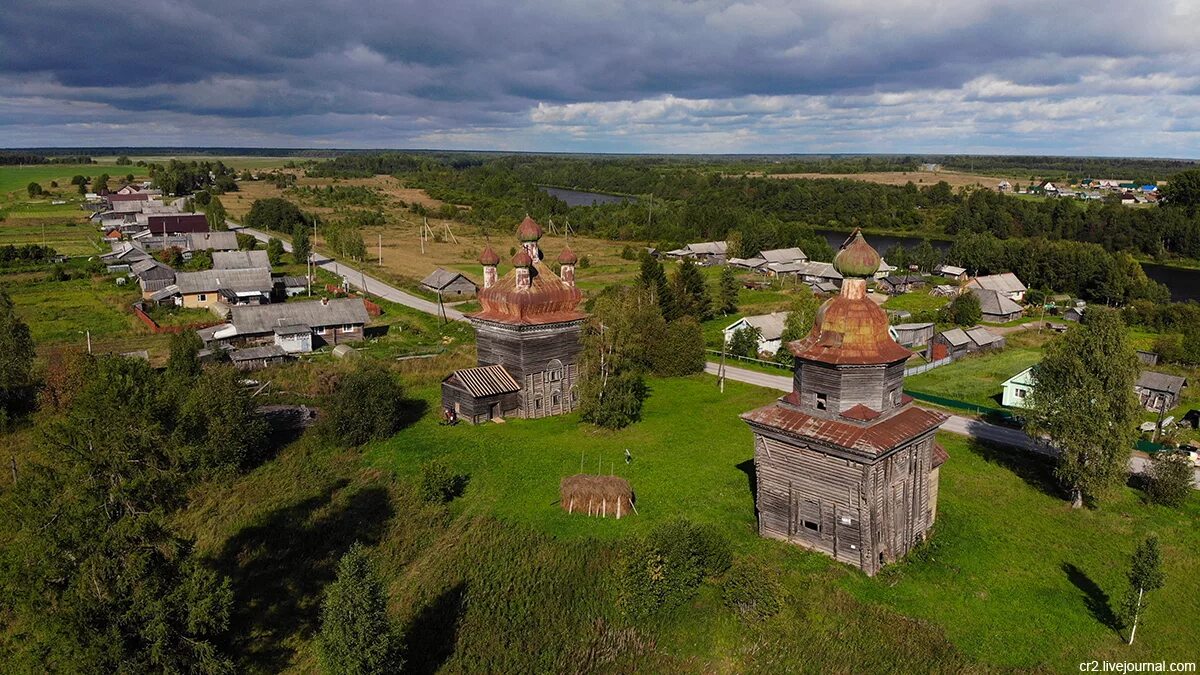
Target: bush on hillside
x=366, y=404
x=437, y=484
x=752, y=589
x=663, y=568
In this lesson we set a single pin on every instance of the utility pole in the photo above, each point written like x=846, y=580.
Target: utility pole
x=381, y=249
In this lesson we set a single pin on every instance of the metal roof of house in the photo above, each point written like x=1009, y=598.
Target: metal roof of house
x=707, y=247
x=295, y=282
x=957, y=337
x=1024, y=377
x=217, y=241
x=1161, y=382
x=485, y=381
x=232, y=280
x=293, y=329
x=441, y=278
x=145, y=265
x=165, y=292
x=981, y=336
x=240, y=260
x=770, y=326
x=913, y=326
x=992, y=301
x=872, y=440
x=175, y=223
x=1005, y=283
x=261, y=319
x=752, y=263
x=783, y=255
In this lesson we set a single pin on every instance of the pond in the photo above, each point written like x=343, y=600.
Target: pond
x=1184, y=284
x=581, y=198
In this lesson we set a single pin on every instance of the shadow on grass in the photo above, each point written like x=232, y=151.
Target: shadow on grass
x=433, y=633
x=280, y=566
x=1036, y=470
x=747, y=467
x=1094, y=598
x=411, y=412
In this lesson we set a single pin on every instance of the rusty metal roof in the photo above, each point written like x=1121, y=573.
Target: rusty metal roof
x=485, y=381
x=850, y=329
x=939, y=455
x=872, y=439
x=547, y=300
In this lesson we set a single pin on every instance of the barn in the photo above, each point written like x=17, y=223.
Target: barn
x=450, y=284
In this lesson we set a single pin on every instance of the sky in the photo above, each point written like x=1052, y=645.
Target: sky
x=702, y=76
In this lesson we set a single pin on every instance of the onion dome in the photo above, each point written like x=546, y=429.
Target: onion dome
x=857, y=258
x=850, y=329
x=489, y=257
x=529, y=230
x=567, y=257
x=522, y=259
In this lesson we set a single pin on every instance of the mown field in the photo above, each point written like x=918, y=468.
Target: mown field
x=978, y=378
x=502, y=579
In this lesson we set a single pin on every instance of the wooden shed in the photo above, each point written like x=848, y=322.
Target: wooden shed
x=450, y=284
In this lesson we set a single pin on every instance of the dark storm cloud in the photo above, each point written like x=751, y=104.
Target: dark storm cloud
x=608, y=75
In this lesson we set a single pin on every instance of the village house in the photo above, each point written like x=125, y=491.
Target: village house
x=240, y=260
x=783, y=255
x=450, y=284
x=899, y=284
x=1016, y=389
x=956, y=342
x=1074, y=313
x=885, y=270
x=122, y=256
x=212, y=241
x=1008, y=284
x=770, y=330
x=845, y=464
x=152, y=276
x=754, y=263
x=707, y=252
x=951, y=272
x=294, y=327
x=207, y=288
x=1158, y=392
x=912, y=334
x=527, y=338
x=176, y=223
x=293, y=285
x=997, y=307
x=256, y=358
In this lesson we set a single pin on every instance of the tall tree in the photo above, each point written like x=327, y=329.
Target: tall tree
x=16, y=359
x=214, y=213
x=356, y=637
x=301, y=244
x=691, y=292
x=1145, y=575
x=654, y=279
x=183, y=364
x=744, y=342
x=1084, y=402
x=801, y=316
x=964, y=310
x=618, y=346
x=729, y=291
x=275, y=251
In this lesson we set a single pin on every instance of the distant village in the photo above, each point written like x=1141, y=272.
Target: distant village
x=1091, y=189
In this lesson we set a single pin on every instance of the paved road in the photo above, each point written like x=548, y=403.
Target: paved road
x=956, y=424
x=357, y=279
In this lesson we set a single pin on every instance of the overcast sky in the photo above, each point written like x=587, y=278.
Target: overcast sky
x=1095, y=78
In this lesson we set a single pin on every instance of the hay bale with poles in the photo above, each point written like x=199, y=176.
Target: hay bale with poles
x=602, y=496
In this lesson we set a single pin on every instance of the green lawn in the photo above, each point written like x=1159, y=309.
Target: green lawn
x=60, y=311
x=64, y=236
x=14, y=178
x=978, y=378
x=916, y=301
x=502, y=579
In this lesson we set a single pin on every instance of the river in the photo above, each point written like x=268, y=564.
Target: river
x=1184, y=284
x=581, y=198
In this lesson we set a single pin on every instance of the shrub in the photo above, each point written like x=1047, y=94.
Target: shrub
x=663, y=568
x=366, y=404
x=627, y=253
x=438, y=484
x=752, y=589
x=1169, y=480
x=356, y=636
x=585, y=262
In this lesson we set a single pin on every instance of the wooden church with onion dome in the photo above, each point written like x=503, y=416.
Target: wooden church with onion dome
x=846, y=464
x=527, y=337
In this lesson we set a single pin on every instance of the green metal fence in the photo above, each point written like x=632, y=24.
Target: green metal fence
x=959, y=405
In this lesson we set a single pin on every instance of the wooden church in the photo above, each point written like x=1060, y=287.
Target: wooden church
x=845, y=464
x=527, y=337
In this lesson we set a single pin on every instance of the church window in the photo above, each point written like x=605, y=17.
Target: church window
x=822, y=401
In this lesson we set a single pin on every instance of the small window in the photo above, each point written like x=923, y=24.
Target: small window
x=202, y=297
x=347, y=328
x=537, y=404
x=556, y=399
x=1019, y=393
x=812, y=525
x=822, y=401
x=896, y=396
x=574, y=396
x=847, y=520
x=320, y=330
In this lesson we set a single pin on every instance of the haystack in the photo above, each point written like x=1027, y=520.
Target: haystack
x=597, y=495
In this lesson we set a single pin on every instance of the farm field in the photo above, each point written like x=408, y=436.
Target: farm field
x=916, y=301
x=60, y=311
x=508, y=567
x=956, y=179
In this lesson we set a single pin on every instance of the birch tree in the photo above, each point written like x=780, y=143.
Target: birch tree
x=1145, y=575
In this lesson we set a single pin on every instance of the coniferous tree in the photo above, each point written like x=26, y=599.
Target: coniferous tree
x=356, y=637
x=1084, y=403
x=691, y=292
x=1145, y=575
x=744, y=342
x=729, y=291
x=654, y=279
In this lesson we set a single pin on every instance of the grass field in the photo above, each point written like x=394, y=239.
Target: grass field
x=504, y=580
x=956, y=179
x=916, y=301
x=977, y=378
x=60, y=311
